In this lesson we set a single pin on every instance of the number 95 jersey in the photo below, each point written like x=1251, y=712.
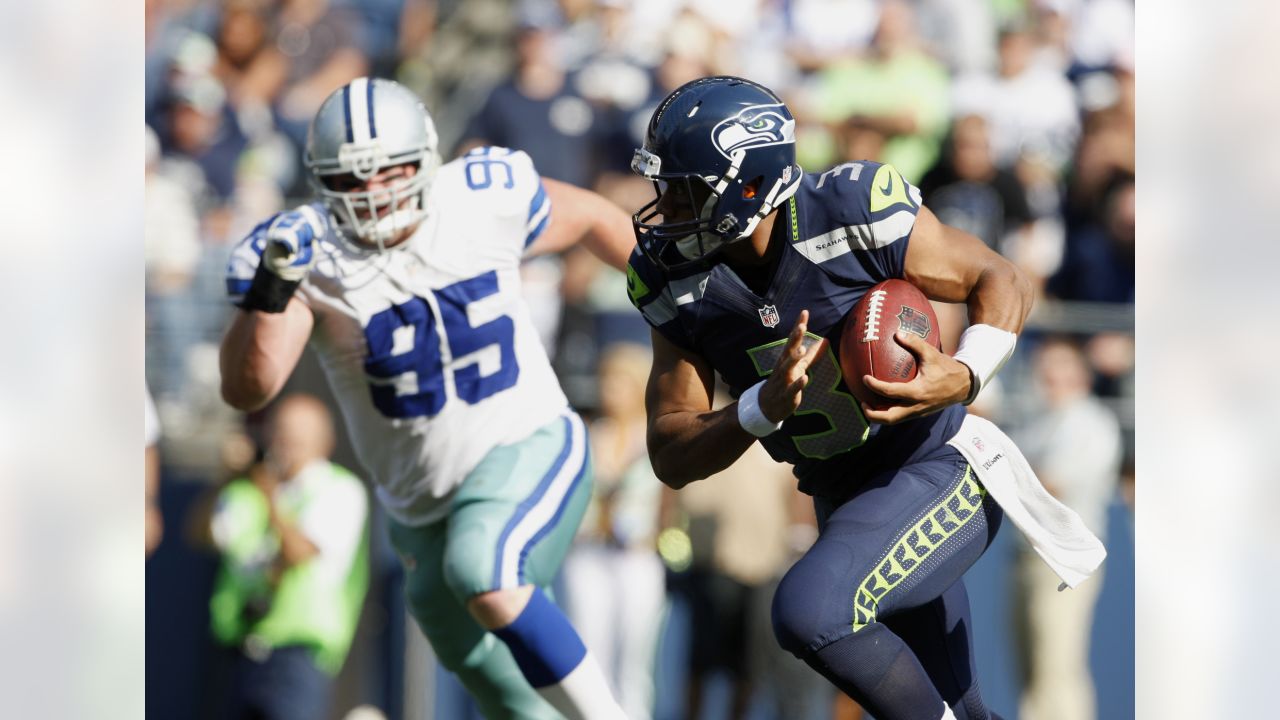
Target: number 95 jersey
x=429, y=347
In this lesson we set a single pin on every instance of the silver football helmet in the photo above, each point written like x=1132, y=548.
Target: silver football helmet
x=362, y=129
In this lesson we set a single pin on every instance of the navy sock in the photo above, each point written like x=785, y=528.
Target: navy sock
x=874, y=667
x=544, y=644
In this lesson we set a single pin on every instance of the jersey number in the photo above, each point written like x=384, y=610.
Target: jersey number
x=409, y=346
x=849, y=428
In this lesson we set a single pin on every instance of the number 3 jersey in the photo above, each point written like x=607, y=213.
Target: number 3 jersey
x=429, y=347
x=845, y=230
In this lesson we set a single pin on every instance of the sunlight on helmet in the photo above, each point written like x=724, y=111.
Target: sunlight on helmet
x=721, y=154
x=372, y=156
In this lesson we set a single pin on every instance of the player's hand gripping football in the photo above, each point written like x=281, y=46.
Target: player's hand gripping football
x=781, y=393
x=940, y=380
x=290, y=248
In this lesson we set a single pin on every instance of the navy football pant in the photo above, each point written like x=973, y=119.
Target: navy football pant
x=877, y=604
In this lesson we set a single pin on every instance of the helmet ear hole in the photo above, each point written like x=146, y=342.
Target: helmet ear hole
x=752, y=187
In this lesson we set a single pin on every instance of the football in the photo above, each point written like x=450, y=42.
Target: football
x=867, y=346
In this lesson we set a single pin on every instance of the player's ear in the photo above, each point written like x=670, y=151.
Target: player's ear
x=750, y=188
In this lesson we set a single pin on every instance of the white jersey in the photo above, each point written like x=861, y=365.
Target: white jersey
x=429, y=346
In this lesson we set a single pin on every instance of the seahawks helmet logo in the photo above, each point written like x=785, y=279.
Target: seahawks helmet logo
x=753, y=127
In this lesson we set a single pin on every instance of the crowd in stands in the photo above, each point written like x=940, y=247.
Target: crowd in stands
x=1014, y=117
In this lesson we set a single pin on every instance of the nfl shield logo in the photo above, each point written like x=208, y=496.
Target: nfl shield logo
x=914, y=321
x=769, y=315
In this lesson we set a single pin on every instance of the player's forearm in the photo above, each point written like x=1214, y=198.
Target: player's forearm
x=689, y=446
x=1001, y=297
x=581, y=216
x=611, y=237
x=259, y=352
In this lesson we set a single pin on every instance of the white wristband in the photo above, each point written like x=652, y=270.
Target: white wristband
x=751, y=417
x=984, y=349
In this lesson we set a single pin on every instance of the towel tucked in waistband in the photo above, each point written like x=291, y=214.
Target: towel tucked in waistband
x=1054, y=530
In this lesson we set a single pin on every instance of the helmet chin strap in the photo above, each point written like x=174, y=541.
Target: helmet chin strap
x=777, y=195
x=692, y=247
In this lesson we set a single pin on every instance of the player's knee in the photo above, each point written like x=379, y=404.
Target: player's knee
x=463, y=575
x=801, y=620
x=499, y=608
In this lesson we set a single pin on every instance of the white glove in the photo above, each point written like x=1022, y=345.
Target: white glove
x=290, y=247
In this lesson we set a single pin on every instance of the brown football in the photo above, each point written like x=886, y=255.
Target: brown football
x=867, y=346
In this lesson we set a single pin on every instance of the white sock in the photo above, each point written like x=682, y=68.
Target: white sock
x=584, y=694
x=946, y=713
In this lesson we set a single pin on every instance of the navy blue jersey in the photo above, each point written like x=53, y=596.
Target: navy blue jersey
x=847, y=229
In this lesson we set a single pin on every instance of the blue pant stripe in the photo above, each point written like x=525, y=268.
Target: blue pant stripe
x=532, y=500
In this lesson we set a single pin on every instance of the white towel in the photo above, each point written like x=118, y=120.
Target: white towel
x=1054, y=530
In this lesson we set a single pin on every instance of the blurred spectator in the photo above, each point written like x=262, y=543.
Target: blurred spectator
x=243, y=41
x=415, y=30
x=453, y=54
x=381, y=34
x=151, y=468
x=612, y=74
x=171, y=252
x=1075, y=448
x=797, y=38
x=968, y=191
x=170, y=227
x=317, y=50
x=961, y=32
x=896, y=91
x=613, y=578
x=1031, y=108
x=1098, y=261
x=1111, y=357
x=202, y=130
x=1106, y=149
x=1102, y=31
x=746, y=526
x=293, y=537
x=538, y=110
x=169, y=25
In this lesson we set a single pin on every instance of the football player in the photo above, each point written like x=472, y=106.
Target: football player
x=744, y=264
x=404, y=278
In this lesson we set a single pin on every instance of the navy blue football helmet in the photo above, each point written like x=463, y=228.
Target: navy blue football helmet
x=721, y=152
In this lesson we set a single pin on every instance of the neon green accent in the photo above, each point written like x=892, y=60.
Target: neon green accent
x=303, y=607
x=848, y=426
x=915, y=545
x=795, y=221
x=888, y=189
x=636, y=288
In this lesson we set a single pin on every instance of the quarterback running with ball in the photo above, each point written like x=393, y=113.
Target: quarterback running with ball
x=404, y=278
x=744, y=265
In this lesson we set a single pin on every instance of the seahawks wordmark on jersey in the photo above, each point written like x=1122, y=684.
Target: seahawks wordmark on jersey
x=845, y=230
x=429, y=347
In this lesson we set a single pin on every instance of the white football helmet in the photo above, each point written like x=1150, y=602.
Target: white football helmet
x=361, y=129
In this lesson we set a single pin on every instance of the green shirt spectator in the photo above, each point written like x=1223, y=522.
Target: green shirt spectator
x=263, y=600
x=293, y=537
x=896, y=89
